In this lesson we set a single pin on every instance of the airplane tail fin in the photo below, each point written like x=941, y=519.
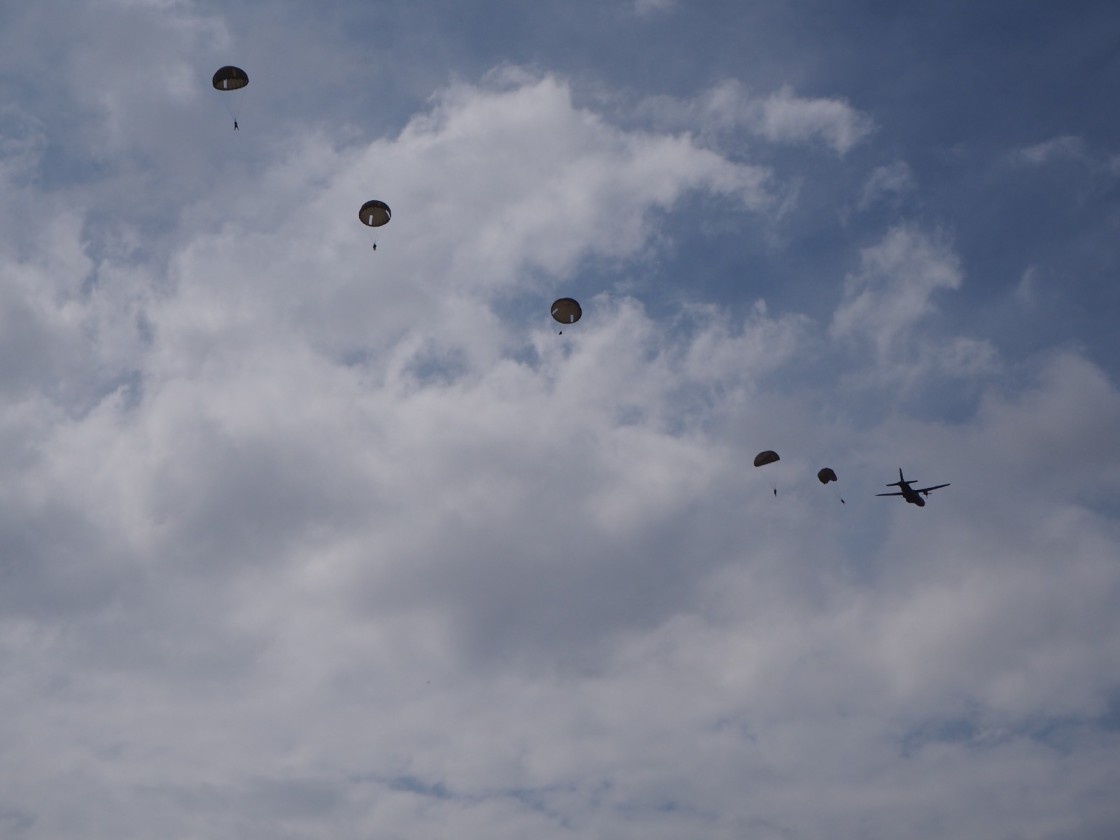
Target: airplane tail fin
x=902, y=482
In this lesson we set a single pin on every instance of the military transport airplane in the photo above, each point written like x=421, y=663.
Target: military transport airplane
x=911, y=494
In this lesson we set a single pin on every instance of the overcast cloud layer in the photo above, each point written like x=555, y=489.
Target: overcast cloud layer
x=302, y=539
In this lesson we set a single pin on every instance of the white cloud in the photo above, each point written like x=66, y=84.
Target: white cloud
x=888, y=301
x=647, y=7
x=785, y=117
x=886, y=182
x=782, y=117
x=888, y=306
x=1026, y=292
x=1067, y=146
x=891, y=291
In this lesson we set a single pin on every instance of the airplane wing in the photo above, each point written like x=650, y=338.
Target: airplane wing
x=927, y=489
x=888, y=494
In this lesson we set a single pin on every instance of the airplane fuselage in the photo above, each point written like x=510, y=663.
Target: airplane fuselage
x=912, y=497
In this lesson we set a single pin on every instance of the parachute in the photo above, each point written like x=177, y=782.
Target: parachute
x=230, y=78
x=566, y=311
x=375, y=214
x=768, y=456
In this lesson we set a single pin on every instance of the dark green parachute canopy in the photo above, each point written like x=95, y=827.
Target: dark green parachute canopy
x=230, y=78
x=566, y=310
x=768, y=456
x=375, y=213
x=826, y=475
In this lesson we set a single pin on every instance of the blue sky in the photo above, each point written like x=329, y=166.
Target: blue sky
x=301, y=539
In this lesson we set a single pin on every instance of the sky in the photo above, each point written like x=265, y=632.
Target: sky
x=301, y=538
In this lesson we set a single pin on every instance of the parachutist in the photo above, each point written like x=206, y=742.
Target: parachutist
x=375, y=246
x=775, y=491
x=235, y=128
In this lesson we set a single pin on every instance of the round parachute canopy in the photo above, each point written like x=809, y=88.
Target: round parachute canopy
x=768, y=456
x=375, y=213
x=566, y=310
x=230, y=78
x=826, y=475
